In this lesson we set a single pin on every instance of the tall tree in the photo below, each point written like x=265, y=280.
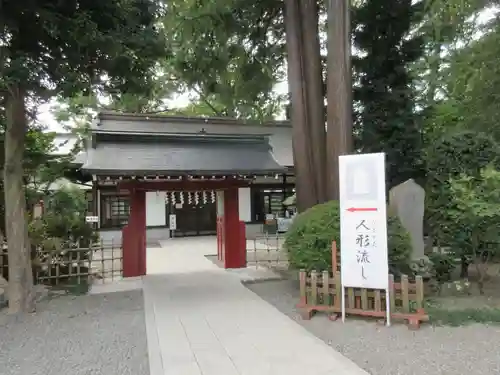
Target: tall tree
x=78, y=46
x=384, y=93
x=339, y=90
x=305, y=82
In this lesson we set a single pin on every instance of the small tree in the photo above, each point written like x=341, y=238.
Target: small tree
x=477, y=211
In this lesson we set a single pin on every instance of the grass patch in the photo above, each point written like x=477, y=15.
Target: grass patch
x=459, y=317
x=71, y=289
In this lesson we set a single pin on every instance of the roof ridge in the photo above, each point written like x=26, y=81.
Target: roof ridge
x=111, y=115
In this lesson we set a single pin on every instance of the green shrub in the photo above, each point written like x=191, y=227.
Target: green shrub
x=309, y=240
x=456, y=153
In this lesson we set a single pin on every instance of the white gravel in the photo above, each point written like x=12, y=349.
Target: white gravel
x=84, y=335
x=471, y=350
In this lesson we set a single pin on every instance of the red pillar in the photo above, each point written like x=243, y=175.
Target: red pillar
x=134, y=236
x=233, y=249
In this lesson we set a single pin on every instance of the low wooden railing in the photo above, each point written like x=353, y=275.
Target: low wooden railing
x=322, y=291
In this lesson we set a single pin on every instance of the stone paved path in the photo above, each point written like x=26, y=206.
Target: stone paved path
x=202, y=321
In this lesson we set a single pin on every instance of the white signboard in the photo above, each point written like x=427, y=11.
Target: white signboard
x=91, y=219
x=172, y=222
x=363, y=221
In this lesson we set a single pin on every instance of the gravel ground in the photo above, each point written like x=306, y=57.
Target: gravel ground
x=84, y=335
x=471, y=350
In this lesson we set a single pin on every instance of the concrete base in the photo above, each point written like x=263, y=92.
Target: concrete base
x=254, y=274
x=131, y=283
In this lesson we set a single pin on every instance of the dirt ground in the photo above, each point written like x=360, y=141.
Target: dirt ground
x=464, y=294
x=395, y=350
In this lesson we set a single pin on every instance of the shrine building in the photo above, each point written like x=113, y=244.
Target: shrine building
x=155, y=177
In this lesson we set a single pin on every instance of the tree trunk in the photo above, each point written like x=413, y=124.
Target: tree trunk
x=307, y=114
x=339, y=91
x=20, y=276
x=313, y=81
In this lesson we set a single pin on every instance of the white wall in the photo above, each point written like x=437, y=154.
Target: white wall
x=245, y=204
x=155, y=208
x=153, y=235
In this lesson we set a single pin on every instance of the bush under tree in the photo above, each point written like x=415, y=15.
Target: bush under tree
x=476, y=210
x=309, y=240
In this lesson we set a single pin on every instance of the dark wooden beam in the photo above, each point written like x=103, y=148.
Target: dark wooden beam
x=182, y=185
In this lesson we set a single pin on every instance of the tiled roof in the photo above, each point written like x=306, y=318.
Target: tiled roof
x=279, y=133
x=171, y=155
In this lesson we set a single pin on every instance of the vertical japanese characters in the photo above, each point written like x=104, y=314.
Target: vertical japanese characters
x=365, y=243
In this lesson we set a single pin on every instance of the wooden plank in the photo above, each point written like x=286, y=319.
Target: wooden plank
x=334, y=257
x=302, y=286
x=350, y=299
x=392, y=294
x=404, y=294
x=419, y=294
x=338, y=290
x=314, y=289
x=364, y=299
x=378, y=301
x=326, y=288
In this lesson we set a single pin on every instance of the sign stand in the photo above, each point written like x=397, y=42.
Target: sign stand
x=343, y=302
x=363, y=226
x=388, y=307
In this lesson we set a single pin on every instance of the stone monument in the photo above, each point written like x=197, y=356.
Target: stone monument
x=407, y=201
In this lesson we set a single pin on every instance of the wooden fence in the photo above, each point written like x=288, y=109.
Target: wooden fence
x=74, y=265
x=323, y=292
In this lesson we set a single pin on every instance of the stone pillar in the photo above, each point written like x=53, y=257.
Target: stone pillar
x=134, y=236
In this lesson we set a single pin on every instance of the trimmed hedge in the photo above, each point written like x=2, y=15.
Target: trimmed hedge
x=308, y=241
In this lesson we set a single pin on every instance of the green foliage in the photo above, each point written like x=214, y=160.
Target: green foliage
x=451, y=155
x=309, y=239
x=473, y=84
x=383, y=93
x=63, y=222
x=229, y=53
x=443, y=264
x=476, y=207
x=110, y=45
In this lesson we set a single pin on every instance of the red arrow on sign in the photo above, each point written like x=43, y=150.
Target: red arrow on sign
x=362, y=209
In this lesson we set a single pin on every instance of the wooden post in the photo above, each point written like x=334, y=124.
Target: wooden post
x=326, y=288
x=338, y=291
x=404, y=294
x=334, y=257
x=303, y=288
x=134, y=236
x=234, y=248
x=392, y=294
x=419, y=291
x=314, y=288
